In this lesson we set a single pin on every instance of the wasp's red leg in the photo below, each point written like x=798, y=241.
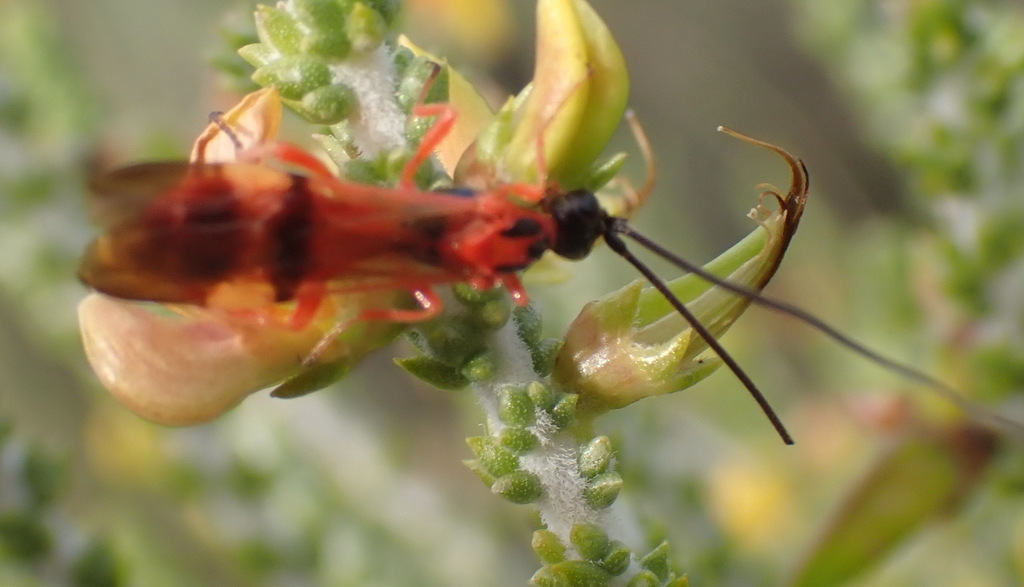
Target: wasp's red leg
x=435, y=134
x=307, y=302
x=515, y=289
x=287, y=153
x=430, y=307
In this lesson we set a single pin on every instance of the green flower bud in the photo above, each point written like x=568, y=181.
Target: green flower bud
x=603, y=490
x=595, y=457
x=436, y=373
x=278, y=29
x=548, y=546
x=633, y=344
x=618, y=558
x=657, y=561
x=327, y=104
x=590, y=541
x=293, y=76
x=515, y=407
x=572, y=573
x=519, y=487
x=495, y=459
x=518, y=440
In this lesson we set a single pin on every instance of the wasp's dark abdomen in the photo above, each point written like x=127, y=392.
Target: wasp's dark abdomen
x=289, y=236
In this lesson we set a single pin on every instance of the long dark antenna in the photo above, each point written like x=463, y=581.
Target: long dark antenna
x=947, y=392
x=616, y=244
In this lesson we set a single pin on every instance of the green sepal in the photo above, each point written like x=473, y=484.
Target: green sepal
x=293, y=76
x=434, y=372
x=591, y=541
x=604, y=172
x=480, y=368
x=564, y=411
x=572, y=573
x=518, y=440
x=657, y=562
x=515, y=407
x=326, y=104
x=520, y=487
x=365, y=28
x=644, y=579
x=387, y=9
x=327, y=44
x=617, y=560
x=322, y=14
x=528, y=323
x=542, y=395
x=543, y=355
x=548, y=546
x=310, y=379
x=595, y=457
x=603, y=490
x=258, y=54
x=278, y=29
x=474, y=466
x=497, y=460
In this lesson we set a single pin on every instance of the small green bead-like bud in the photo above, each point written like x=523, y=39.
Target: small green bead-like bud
x=258, y=54
x=528, y=324
x=573, y=573
x=474, y=466
x=330, y=45
x=322, y=14
x=519, y=487
x=293, y=76
x=515, y=407
x=564, y=411
x=542, y=396
x=328, y=104
x=617, y=560
x=387, y=9
x=657, y=561
x=365, y=27
x=595, y=457
x=603, y=490
x=543, y=355
x=278, y=29
x=480, y=368
x=518, y=440
x=644, y=579
x=548, y=547
x=497, y=460
x=590, y=541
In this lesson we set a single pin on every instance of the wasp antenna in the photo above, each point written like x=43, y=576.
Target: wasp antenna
x=980, y=414
x=218, y=119
x=619, y=246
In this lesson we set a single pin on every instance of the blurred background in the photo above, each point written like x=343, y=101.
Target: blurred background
x=909, y=115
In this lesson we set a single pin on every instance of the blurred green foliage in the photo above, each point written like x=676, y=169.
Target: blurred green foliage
x=909, y=116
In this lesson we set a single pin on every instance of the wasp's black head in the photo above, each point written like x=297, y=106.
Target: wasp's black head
x=580, y=222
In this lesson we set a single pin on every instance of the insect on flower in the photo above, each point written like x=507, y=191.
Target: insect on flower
x=278, y=226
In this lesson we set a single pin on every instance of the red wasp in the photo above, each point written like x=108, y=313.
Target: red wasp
x=242, y=236
x=245, y=235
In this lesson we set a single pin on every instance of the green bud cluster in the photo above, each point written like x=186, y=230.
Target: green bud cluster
x=454, y=347
x=601, y=560
x=497, y=461
x=412, y=74
x=301, y=40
